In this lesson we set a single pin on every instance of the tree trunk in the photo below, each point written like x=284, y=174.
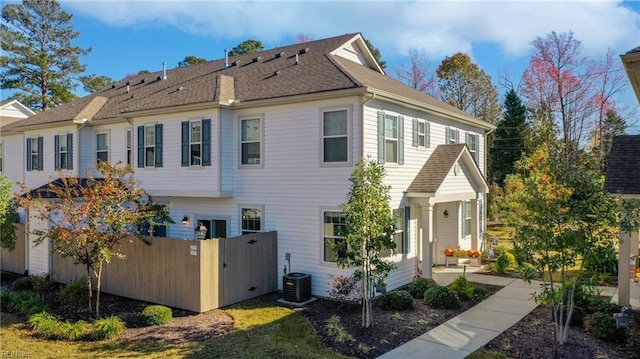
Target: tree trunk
x=90, y=288
x=98, y=282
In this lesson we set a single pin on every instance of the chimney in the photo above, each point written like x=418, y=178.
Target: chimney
x=164, y=70
x=226, y=58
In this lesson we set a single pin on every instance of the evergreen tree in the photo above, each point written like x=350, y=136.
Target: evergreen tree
x=508, y=139
x=247, y=47
x=191, y=60
x=612, y=125
x=38, y=61
x=95, y=83
x=376, y=53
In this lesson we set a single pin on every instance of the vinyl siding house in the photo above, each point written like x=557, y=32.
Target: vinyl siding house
x=267, y=141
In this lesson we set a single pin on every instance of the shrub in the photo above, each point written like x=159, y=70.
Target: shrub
x=420, y=285
x=602, y=258
x=603, y=326
x=344, y=289
x=32, y=305
x=336, y=330
x=25, y=303
x=23, y=284
x=462, y=288
x=75, y=293
x=72, y=331
x=156, y=315
x=479, y=294
x=107, y=328
x=505, y=260
x=441, y=297
x=42, y=284
x=397, y=300
x=45, y=325
x=7, y=297
x=633, y=336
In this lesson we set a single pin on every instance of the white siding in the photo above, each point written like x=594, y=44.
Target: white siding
x=87, y=143
x=35, y=179
x=457, y=183
x=13, y=159
x=447, y=229
x=39, y=258
x=351, y=52
x=226, y=150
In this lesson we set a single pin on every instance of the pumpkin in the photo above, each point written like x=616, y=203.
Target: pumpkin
x=477, y=254
x=469, y=253
x=448, y=252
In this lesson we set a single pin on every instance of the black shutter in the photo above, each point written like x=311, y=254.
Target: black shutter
x=206, y=142
x=140, y=146
x=185, y=143
x=56, y=152
x=40, y=154
x=70, y=151
x=158, y=145
x=407, y=237
x=28, y=154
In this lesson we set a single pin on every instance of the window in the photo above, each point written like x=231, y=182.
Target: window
x=63, y=149
x=390, y=138
x=250, y=141
x=335, y=139
x=421, y=133
x=159, y=229
x=150, y=146
x=472, y=144
x=196, y=143
x=251, y=220
x=128, y=140
x=466, y=212
x=452, y=135
x=1, y=155
x=102, y=147
x=35, y=154
x=401, y=235
x=216, y=228
x=333, y=227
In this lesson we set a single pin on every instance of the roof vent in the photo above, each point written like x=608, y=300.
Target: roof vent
x=297, y=59
x=281, y=54
x=114, y=85
x=304, y=51
x=256, y=59
x=226, y=58
x=236, y=63
x=133, y=95
x=276, y=73
x=143, y=80
x=164, y=70
x=180, y=88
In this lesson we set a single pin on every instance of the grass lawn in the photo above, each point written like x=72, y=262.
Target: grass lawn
x=260, y=331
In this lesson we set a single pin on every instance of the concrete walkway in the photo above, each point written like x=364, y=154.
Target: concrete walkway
x=464, y=334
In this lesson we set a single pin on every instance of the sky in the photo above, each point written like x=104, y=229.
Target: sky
x=129, y=36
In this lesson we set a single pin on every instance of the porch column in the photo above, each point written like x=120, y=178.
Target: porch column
x=624, y=252
x=427, y=240
x=475, y=223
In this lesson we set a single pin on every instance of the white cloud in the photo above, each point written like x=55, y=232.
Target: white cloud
x=439, y=27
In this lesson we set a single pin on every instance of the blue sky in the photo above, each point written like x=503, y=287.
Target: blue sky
x=129, y=36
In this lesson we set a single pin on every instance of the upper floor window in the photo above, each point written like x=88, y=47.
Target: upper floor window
x=63, y=146
x=466, y=220
x=421, y=133
x=390, y=138
x=335, y=138
x=102, y=146
x=250, y=141
x=472, y=144
x=333, y=227
x=196, y=143
x=129, y=151
x=251, y=220
x=150, y=145
x=452, y=135
x=35, y=154
x=1, y=156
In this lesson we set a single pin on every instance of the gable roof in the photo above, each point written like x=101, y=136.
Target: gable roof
x=313, y=68
x=631, y=62
x=623, y=169
x=438, y=166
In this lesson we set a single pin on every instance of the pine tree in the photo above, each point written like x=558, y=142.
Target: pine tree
x=508, y=139
x=39, y=62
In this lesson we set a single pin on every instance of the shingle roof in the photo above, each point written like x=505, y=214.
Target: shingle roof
x=435, y=170
x=623, y=170
x=635, y=49
x=299, y=69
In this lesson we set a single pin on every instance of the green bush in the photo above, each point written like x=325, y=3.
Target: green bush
x=602, y=258
x=32, y=305
x=441, y=297
x=42, y=284
x=633, y=336
x=75, y=293
x=505, y=261
x=7, y=297
x=44, y=325
x=462, y=288
x=23, y=284
x=156, y=315
x=419, y=286
x=479, y=294
x=397, y=300
x=25, y=303
x=107, y=328
x=603, y=326
x=72, y=331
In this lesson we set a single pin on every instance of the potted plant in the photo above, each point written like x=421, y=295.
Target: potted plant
x=381, y=285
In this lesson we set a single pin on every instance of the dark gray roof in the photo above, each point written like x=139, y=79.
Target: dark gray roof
x=435, y=170
x=623, y=169
x=635, y=49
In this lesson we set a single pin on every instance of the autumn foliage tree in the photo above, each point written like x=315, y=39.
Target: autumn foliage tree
x=560, y=212
x=368, y=231
x=91, y=218
x=8, y=214
x=417, y=72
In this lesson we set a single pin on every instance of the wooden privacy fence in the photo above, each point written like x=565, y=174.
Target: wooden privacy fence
x=15, y=261
x=192, y=275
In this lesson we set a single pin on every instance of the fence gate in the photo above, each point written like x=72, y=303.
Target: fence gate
x=249, y=266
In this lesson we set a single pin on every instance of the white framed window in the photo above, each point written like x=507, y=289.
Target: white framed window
x=251, y=219
x=390, y=138
x=1, y=156
x=421, y=133
x=63, y=151
x=466, y=218
x=472, y=144
x=149, y=146
x=333, y=224
x=335, y=136
x=35, y=153
x=129, y=150
x=251, y=141
x=452, y=135
x=195, y=143
x=150, y=138
x=102, y=146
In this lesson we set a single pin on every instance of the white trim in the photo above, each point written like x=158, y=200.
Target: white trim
x=336, y=108
x=324, y=209
x=259, y=117
x=251, y=206
x=108, y=143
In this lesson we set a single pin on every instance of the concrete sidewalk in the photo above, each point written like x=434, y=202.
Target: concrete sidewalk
x=464, y=334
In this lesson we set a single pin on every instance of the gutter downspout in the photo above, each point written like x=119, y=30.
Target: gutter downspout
x=485, y=208
x=364, y=103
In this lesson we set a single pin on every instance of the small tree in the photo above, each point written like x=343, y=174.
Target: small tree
x=8, y=214
x=368, y=231
x=90, y=217
x=560, y=211
x=249, y=46
x=191, y=60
